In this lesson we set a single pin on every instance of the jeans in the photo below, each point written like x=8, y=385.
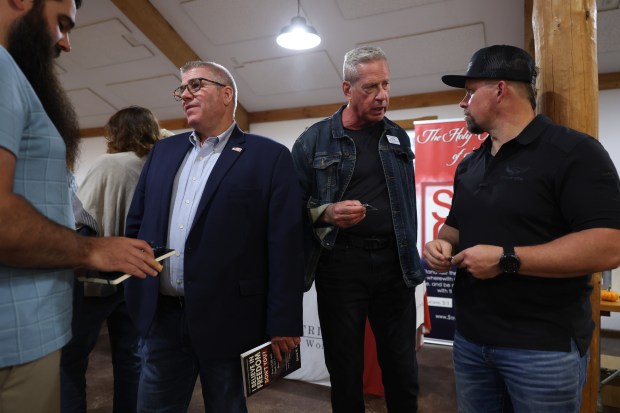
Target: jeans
x=353, y=284
x=89, y=314
x=171, y=366
x=497, y=379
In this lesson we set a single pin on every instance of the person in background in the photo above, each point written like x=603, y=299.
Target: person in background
x=165, y=133
x=105, y=195
x=228, y=202
x=536, y=210
x=356, y=171
x=39, y=247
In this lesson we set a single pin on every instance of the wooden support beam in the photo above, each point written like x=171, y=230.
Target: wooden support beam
x=565, y=43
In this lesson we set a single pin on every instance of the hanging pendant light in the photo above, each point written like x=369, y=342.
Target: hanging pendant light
x=298, y=35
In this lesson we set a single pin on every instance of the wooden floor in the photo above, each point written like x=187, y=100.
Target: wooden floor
x=437, y=391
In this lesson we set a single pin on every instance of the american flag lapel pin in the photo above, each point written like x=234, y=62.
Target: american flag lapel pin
x=237, y=149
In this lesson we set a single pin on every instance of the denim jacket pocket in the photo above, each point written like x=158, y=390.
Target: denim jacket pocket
x=326, y=173
x=325, y=161
x=404, y=154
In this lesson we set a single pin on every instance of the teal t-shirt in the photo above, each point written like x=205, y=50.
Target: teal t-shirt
x=35, y=304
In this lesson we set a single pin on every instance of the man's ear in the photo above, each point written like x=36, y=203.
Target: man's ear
x=21, y=5
x=229, y=98
x=502, y=87
x=346, y=88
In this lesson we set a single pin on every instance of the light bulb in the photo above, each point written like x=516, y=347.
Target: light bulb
x=298, y=35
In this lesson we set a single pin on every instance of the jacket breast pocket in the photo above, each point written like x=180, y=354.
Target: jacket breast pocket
x=404, y=154
x=326, y=176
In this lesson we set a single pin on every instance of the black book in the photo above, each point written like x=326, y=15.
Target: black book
x=260, y=367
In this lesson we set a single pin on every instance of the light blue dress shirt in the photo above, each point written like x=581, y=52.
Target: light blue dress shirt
x=189, y=184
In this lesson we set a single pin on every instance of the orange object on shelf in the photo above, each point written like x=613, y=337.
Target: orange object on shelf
x=609, y=295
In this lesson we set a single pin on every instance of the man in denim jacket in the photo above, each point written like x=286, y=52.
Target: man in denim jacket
x=356, y=170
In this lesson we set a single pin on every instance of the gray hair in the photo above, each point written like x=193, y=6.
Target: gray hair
x=219, y=72
x=364, y=54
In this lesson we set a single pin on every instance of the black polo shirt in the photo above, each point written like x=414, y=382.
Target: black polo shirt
x=547, y=182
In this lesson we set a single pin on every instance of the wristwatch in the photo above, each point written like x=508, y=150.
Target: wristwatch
x=509, y=263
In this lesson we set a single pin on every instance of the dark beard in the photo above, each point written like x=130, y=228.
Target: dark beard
x=473, y=127
x=30, y=44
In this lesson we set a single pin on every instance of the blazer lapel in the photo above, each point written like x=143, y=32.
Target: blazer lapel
x=172, y=160
x=233, y=151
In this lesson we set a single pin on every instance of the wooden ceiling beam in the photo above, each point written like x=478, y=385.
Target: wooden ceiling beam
x=606, y=81
x=154, y=26
x=170, y=124
x=157, y=29
x=421, y=100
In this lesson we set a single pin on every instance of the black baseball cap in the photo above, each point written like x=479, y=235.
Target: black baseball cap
x=497, y=62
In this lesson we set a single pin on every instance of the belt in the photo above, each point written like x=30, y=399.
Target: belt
x=177, y=301
x=370, y=243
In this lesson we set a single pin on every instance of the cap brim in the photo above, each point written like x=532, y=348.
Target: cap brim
x=454, y=80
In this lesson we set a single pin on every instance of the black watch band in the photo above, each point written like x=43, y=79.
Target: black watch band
x=509, y=263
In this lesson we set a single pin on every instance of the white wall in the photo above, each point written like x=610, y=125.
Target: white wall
x=609, y=135
x=90, y=148
x=287, y=131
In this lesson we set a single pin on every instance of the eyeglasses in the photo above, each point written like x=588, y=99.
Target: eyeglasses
x=193, y=85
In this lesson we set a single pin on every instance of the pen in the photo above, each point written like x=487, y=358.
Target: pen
x=369, y=207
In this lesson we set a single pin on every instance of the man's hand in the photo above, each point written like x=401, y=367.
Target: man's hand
x=481, y=261
x=282, y=345
x=438, y=255
x=126, y=255
x=344, y=214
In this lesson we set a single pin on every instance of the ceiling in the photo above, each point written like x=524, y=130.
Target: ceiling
x=113, y=64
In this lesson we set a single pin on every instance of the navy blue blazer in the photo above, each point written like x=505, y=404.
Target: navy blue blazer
x=243, y=268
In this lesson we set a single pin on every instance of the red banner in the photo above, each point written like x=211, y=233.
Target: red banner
x=439, y=147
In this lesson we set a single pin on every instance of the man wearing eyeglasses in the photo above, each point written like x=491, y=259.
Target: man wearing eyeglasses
x=230, y=204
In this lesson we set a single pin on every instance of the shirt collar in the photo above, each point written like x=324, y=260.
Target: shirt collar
x=528, y=135
x=533, y=130
x=222, y=138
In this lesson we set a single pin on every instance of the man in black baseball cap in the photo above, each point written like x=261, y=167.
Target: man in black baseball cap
x=497, y=62
x=535, y=211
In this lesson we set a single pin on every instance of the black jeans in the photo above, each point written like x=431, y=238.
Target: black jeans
x=89, y=314
x=354, y=283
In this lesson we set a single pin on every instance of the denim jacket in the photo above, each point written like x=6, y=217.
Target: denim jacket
x=324, y=157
